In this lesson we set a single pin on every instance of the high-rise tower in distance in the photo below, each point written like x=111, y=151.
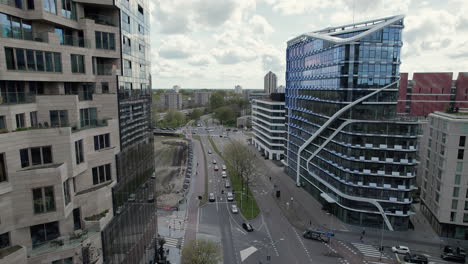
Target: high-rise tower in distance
x=269, y=83
x=346, y=144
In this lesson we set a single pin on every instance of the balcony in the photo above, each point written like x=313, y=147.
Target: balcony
x=13, y=254
x=61, y=243
x=9, y=98
x=70, y=40
x=87, y=124
x=102, y=19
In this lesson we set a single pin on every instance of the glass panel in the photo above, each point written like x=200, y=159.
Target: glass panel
x=95, y=176
x=21, y=63
x=105, y=43
x=36, y=156
x=54, y=121
x=16, y=27
x=10, y=59
x=30, y=60
x=40, y=60
x=63, y=118
x=98, y=40
x=53, y=6
x=74, y=62
x=5, y=240
x=81, y=67
x=49, y=200
x=37, y=201
x=5, y=25
x=27, y=30
x=47, y=154
x=57, y=62
x=108, y=172
x=48, y=60
x=24, y=156
x=111, y=41
x=101, y=174
x=3, y=175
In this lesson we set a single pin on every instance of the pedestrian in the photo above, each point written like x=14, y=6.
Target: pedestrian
x=310, y=222
x=270, y=178
x=363, y=232
x=360, y=239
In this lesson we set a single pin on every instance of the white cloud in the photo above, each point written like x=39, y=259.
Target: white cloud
x=178, y=47
x=200, y=60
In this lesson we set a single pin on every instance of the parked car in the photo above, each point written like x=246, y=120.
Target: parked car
x=223, y=174
x=234, y=209
x=212, y=197
x=400, y=250
x=230, y=197
x=227, y=184
x=248, y=227
x=416, y=258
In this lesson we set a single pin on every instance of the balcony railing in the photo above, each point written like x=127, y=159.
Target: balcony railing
x=87, y=124
x=71, y=40
x=102, y=19
x=62, y=243
x=16, y=98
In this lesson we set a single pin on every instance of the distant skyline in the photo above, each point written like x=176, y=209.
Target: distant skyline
x=238, y=41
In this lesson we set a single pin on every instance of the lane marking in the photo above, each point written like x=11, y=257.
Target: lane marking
x=303, y=245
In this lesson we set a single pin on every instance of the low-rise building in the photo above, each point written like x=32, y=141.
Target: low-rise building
x=269, y=126
x=443, y=173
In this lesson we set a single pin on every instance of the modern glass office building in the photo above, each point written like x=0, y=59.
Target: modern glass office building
x=346, y=144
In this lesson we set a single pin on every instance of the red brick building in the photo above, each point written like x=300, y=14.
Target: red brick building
x=432, y=91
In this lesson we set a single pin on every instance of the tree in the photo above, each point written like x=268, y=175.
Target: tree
x=173, y=119
x=225, y=115
x=195, y=114
x=217, y=99
x=201, y=252
x=242, y=160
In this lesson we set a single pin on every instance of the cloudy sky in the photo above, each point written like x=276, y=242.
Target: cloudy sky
x=221, y=43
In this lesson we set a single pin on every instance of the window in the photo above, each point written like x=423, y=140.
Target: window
x=453, y=216
x=66, y=191
x=461, y=142
x=44, y=232
x=127, y=44
x=50, y=6
x=127, y=67
x=15, y=27
x=105, y=40
x=35, y=156
x=58, y=118
x=77, y=62
x=33, y=60
x=459, y=167
x=101, y=141
x=20, y=123
x=140, y=10
x=43, y=200
x=125, y=22
x=2, y=123
x=105, y=87
x=454, y=204
x=69, y=9
x=102, y=174
x=5, y=240
x=88, y=117
x=63, y=261
x=33, y=117
x=465, y=218
x=457, y=178
x=466, y=205
x=79, y=151
x=456, y=191
x=10, y=59
x=141, y=29
x=3, y=171
x=461, y=153
x=30, y=4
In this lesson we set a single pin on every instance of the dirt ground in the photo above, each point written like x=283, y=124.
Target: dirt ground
x=171, y=164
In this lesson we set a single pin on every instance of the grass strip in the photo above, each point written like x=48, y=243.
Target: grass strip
x=244, y=200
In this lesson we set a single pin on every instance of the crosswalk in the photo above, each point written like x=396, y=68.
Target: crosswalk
x=369, y=250
x=171, y=242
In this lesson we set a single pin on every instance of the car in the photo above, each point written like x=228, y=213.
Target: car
x=224, y=167
x=220, y=135
x=212, y=197
x=453, y=257
x=234, y=209
x=248, y=227
x=400, y=250
x=230, y=197
x=214, y=161
x=132, y=197
x=227, y=184
x=235, y=130
x=416, y=258
x=216, y=168
x=151, y=198
x=223, y=174
x=209, y=151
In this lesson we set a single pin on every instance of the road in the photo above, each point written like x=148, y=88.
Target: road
x=274, y=237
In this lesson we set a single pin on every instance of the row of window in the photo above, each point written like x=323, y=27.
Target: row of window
x=15, y=27
x=32, y=60
x=68, y=8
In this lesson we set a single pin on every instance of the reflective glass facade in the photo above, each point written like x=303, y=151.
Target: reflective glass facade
x=361, y=154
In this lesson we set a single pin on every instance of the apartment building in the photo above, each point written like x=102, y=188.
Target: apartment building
x=269, y=126
x=65, y=122
x=346, y=144
x=171, y=100
x=269, y=83
x=201, y=98
x=428, y=92
x=443, y=174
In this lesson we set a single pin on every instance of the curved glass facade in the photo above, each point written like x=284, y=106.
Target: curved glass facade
x=366, y=154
